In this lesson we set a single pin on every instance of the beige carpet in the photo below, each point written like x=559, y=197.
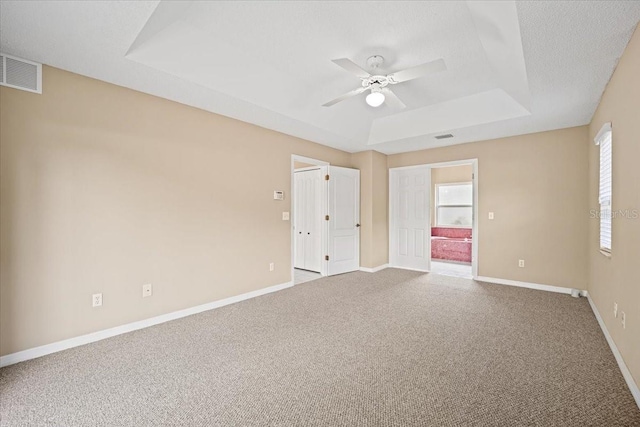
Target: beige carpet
x=394, y=348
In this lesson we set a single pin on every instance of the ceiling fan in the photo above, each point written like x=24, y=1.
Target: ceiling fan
x=378, y=84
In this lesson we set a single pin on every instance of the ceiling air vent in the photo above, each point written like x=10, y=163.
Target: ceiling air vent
x=20, y=74
x=448, y=135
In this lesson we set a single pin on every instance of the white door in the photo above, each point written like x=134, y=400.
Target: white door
x=308, y=220
x=313, y=220
x=409, y=230
x=344, y=220
x=298, y=224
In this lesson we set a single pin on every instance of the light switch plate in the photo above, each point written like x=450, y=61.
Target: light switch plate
x=490, y=215
x=285, y=216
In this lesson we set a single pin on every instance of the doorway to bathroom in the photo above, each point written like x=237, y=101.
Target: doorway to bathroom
x=452, y=220
x=433, y=221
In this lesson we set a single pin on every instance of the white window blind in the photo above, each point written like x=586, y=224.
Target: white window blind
x=604, y=140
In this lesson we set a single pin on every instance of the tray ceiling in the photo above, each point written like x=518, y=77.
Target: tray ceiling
x=512, y=67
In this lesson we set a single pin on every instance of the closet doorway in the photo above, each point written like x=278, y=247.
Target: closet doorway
x=325, y=219
x=308, y=207
x=307, y=223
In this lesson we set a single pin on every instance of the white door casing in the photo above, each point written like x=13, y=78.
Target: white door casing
x=410, y=232
x=344, y=220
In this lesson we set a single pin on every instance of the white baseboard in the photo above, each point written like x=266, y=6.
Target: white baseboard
x=32, y=353
x=407, y=268
x=374, y=269
x=538, y=286
x=616, y=353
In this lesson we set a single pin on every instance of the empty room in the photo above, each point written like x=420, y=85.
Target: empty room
x=319, y=213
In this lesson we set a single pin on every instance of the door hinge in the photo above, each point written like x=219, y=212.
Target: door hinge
x=326, y=257
x=326, y=177
x=326, y=217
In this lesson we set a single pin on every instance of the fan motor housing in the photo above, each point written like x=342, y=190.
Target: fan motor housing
x=380, y=81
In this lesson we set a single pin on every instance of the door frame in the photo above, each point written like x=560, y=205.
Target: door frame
x=325, y=200
x=430, y=166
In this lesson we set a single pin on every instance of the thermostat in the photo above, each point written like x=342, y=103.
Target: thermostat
x=278, y=195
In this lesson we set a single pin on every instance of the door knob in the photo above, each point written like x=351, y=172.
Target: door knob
x=299, y=232
x=308, y=233
x=357, y=225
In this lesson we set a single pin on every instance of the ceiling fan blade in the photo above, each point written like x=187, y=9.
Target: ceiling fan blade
x=392, y=99
x=345, y=96
x=351, y=67
x=417, y=71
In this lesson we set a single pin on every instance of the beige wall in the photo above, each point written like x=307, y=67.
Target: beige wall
x=300, y=165
x=536, y=186
x=103, y=189
x=380, y=209
x=447, y=175
x=617, y=279
x=374, y=247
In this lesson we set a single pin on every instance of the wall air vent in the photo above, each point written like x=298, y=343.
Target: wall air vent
x=448, y=135
x=20, y=74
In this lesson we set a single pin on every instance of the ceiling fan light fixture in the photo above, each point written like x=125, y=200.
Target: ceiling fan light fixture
x=375, y=98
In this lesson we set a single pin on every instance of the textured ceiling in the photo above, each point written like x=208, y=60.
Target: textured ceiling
x=511, y=69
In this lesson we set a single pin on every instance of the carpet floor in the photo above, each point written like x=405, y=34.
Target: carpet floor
x=393, y=348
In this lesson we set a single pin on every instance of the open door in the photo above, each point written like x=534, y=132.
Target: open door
x=409, y=228
x=344, y=220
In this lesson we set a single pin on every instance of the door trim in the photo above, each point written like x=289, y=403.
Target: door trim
x=325, y=199
x=475, y=234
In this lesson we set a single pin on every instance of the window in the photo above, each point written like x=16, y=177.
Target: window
x=454, y=205
x=603, y=139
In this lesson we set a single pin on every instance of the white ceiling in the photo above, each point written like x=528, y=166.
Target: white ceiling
x=512, y=68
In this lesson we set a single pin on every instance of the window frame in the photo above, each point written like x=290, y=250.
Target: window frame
x=605, y=200
x=438, y=205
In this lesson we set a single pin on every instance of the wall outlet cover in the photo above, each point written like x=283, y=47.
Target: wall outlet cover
x=96, y=300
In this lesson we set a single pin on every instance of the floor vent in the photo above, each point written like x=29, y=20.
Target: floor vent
x=20, y=74
x=444, y=136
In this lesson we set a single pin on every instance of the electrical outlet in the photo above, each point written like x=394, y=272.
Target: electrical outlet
x=623, y=319
x=490, y=215
x=272, y=266
x=96, y=300
x=147, y=290
x=521, y=263
x=615, y=309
